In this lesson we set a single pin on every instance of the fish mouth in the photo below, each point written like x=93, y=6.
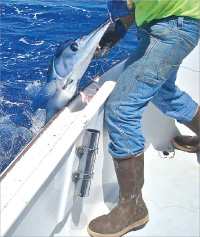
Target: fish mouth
x=107, y=22
x=100, y=27
x=94, y=33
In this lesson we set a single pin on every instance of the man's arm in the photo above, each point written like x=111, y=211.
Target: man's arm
x=116, y=31
x=129, y=20
x=114, y=34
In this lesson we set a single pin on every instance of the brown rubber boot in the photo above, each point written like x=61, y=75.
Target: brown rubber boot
x=190, y=143
x=131, y=212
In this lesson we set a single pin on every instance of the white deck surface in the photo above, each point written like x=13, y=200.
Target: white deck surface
x=171, y=192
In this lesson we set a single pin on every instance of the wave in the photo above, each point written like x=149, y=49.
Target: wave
x=14, y=138
x=78, y=8
x=11, y=104
x=18, y=11
x=35, y=15
x=36, y=44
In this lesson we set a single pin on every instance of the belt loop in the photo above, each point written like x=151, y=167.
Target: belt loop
x=180, y=22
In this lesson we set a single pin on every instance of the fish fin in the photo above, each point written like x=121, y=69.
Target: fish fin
x=44, y=95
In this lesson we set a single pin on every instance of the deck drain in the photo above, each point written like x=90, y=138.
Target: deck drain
x=165, y=153
x=168, y=153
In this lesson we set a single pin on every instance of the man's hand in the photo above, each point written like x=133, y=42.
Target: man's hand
x=114, y=34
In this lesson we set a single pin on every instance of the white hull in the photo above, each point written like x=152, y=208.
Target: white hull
x=38, y=190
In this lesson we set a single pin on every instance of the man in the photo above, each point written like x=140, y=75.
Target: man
x=168, y=31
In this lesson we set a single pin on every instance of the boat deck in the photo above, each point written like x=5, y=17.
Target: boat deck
x=171, y=193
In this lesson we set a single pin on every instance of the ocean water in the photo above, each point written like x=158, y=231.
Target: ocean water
x=30, y=33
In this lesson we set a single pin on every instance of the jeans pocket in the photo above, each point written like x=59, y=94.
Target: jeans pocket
x=190, y=32
x=175, y=57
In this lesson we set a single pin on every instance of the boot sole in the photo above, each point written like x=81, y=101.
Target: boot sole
x=183, y=148
x=136, y=226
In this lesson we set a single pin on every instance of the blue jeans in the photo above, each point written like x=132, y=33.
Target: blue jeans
x=150, y=75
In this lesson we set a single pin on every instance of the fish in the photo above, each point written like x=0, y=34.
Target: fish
x=66, y=69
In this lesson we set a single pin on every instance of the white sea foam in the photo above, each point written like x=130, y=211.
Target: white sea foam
x=38, y=121
x=33, y=88
x=50, y=20
x=21, y=56
x=78, y=8
x=35, y=15
x=10, y=142
x=10, y=103
x=18, y=11
x=36, y=43
x=27, y=55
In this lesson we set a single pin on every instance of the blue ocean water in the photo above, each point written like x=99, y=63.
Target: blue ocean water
x=30, y=33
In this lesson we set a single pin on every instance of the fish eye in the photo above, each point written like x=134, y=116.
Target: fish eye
x=74, y=46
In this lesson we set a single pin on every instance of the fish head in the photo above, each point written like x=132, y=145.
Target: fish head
x=73, y=56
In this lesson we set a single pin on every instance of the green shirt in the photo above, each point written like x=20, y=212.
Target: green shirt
x=148, y=10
